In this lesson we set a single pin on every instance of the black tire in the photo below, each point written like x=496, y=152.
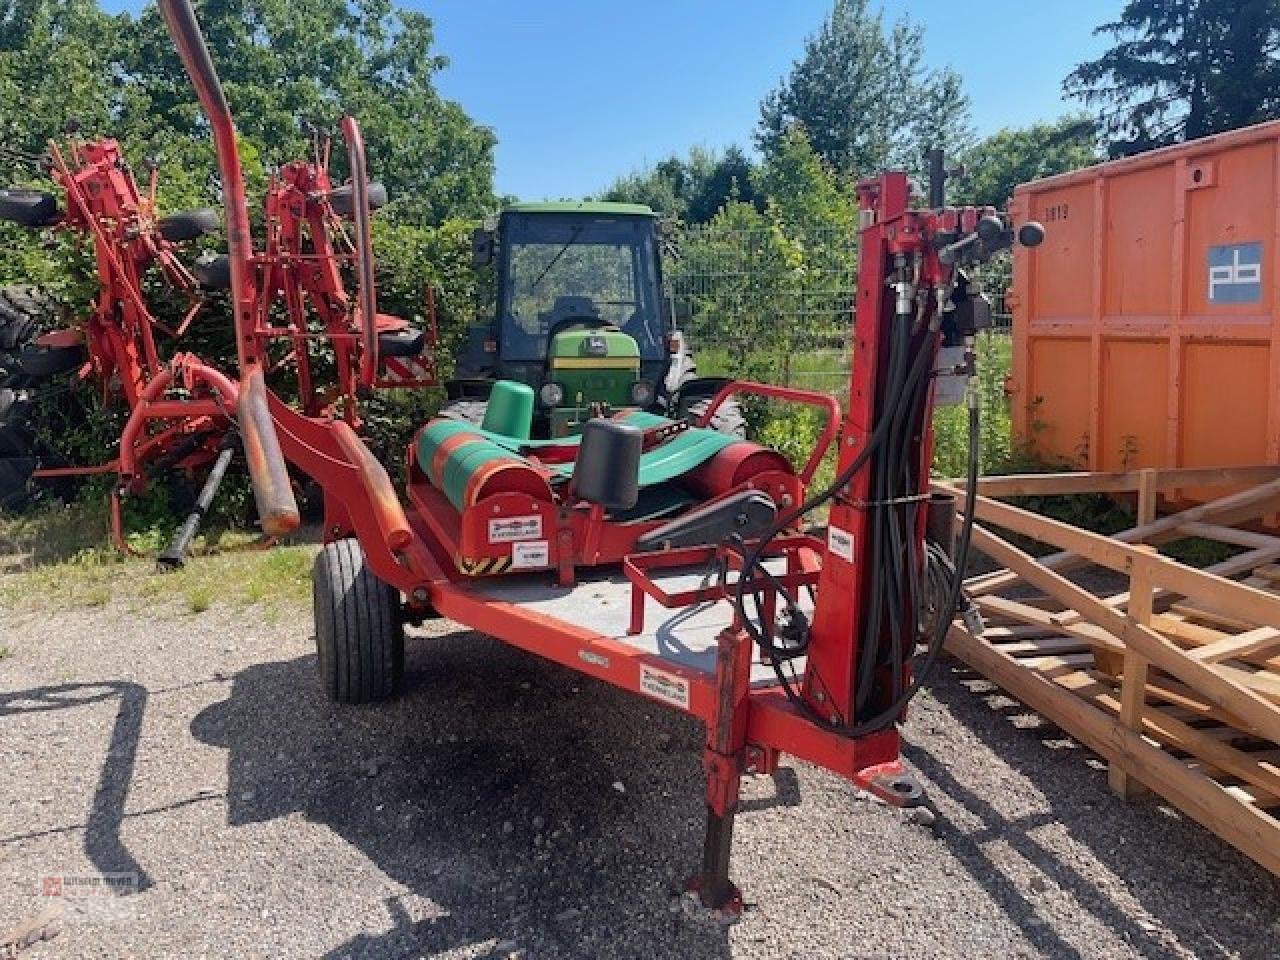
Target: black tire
x=684, y=373
x=359, y=629
x=17, y=462
x=20, y=311
x=467, y=411
x=728, y=418
x=25, y=313
x=213, y=271
x=189, y=224
x=28, y=208
x=342, y=198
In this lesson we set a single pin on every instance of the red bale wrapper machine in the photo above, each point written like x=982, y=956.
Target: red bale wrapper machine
x=658, y=555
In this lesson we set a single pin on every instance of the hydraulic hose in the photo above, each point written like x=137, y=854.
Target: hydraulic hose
x=902, y=408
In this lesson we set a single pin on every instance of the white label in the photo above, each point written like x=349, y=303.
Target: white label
x=508, y=529
x=664, y=686
x=533, y=553
x=593, y=658
x=840, y=542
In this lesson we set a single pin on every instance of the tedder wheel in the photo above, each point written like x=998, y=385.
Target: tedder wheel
x=468, y=411
x=359, y=630
x=343, y=198
x=28, y=208
x=189, y=224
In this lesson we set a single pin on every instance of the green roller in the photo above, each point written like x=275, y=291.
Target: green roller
x=510, y=410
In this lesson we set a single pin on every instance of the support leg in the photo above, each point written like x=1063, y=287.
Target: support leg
x=713, y=884
x=724, y=759
x=174, y=555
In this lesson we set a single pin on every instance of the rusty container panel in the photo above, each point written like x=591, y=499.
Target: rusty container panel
x=1146, y=327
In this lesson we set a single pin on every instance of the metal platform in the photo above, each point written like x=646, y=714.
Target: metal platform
x=686, y=636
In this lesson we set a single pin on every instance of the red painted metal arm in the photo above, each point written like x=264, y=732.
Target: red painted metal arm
x=366, y=292
x=272, y=488
x=273, y=492
x=185, y=31
x=813, y=398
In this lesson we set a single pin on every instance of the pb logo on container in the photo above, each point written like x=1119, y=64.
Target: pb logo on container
x=1235, y=273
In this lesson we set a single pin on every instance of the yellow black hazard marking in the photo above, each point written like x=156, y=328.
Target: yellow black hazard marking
x=480, y=566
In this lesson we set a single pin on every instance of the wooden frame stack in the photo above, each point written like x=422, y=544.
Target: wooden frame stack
x=1169, y=672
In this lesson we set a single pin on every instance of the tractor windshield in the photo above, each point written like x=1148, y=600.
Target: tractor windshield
x=561, y=267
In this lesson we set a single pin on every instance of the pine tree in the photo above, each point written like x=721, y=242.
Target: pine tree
x=1182, y=69
x=864, y=98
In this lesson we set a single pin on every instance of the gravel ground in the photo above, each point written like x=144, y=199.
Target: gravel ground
x=505, y=806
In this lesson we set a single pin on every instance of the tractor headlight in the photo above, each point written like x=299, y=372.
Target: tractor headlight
x=551, y=394
x=642, y=394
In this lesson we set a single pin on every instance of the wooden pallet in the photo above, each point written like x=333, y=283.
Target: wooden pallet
x=1174, y=676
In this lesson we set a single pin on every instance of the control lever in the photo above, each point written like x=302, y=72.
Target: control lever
x=989, y=238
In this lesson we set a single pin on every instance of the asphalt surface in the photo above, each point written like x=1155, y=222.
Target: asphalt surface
x=507, y=807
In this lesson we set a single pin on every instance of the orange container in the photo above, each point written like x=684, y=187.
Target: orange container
x=1146, y=327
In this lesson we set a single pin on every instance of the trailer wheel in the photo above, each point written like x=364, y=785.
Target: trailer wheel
x=359, y=630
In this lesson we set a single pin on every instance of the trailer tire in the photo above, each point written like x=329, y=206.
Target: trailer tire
x=359, y=628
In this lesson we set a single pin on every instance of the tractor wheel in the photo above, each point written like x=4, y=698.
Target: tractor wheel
x=189, y=224
x=728, y=418
x=359, y=630
x=683, y=372
x=25, y=313
x=342, y=198
x=28, y=208
x=467, y=411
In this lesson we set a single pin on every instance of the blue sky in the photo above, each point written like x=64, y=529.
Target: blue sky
x=580, y=91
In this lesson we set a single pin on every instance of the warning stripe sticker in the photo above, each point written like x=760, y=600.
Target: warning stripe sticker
x=479, y=566
x=405, y=370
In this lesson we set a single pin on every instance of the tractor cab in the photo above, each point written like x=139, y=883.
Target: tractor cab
x=579, y=317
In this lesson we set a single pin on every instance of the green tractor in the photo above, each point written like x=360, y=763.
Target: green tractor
x=581, y=321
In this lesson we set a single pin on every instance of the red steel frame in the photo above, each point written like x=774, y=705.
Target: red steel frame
x=748, y=727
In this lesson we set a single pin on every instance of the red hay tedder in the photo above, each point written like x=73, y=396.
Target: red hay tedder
x=289, y=298
x=719, y=602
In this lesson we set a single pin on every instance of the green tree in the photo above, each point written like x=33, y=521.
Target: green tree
x=291, y=66
x=997, y=164
x=801, y=190
x=1182, y=69
x=692, y=188
x=864, y=97
x=287, y=67
x=55, y=67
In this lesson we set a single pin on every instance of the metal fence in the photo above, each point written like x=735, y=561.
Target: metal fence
x=766, y=304
x=773, y=305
